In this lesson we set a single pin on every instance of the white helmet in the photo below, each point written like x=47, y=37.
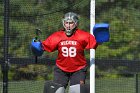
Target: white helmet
x=70, y=18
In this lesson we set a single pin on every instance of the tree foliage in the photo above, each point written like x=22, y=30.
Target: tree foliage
x=123, y=17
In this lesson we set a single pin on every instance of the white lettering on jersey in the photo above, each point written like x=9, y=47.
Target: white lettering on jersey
x=68, y=43
x=68, y=52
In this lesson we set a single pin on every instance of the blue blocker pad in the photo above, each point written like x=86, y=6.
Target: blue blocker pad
x=36, y=48
x=101, y=32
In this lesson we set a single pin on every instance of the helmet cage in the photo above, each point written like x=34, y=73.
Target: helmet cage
x=70, y=17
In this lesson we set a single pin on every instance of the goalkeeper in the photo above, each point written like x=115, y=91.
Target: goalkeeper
x=71, y=65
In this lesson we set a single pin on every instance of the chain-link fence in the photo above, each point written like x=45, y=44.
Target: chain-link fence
x=117, y=61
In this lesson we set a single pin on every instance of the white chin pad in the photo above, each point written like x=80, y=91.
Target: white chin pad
x=74, y=88
x=68, y=33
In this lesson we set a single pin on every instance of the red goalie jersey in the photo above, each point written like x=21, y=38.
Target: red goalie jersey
x=70, y=49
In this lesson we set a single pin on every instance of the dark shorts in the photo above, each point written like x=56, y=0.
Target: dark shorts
x=74, y=78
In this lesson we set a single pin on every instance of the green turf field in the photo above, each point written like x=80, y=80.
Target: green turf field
x=25, y=87
x=119, y=85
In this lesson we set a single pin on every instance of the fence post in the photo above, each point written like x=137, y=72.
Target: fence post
x=5, y=47
x=136, y=82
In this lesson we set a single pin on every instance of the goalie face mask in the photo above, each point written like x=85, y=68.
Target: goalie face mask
x=70, y=22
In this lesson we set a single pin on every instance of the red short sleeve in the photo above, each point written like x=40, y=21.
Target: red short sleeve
x=91, y=42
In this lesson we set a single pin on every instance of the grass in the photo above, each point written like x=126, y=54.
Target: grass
x=25, y=87
x=103, y=85
x=118, y=85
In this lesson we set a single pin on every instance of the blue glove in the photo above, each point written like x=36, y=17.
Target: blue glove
x=36, y=47
x=101, y=32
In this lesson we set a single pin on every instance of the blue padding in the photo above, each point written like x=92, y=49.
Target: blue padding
x=101, y=32
x=36, y=48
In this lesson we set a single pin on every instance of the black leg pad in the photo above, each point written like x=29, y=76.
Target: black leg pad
x=51, y=87
x=85, y=88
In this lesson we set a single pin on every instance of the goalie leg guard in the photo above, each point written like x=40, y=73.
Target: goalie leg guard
x=52, y=87
x=85, y=88
x=74, y=88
